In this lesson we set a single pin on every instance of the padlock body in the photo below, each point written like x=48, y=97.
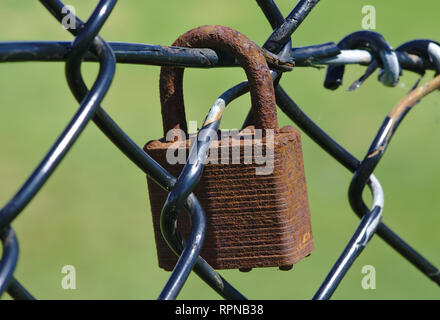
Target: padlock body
x=253, y=220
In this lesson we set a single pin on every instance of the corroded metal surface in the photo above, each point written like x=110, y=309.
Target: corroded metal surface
x=248, y=55
x=252, y=220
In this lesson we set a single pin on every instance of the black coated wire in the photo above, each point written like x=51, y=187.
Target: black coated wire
x=9, y=257
x=321, y=138
x=75, y=126
x=69, y=135
x=146, y=54
x=383, y=56
x=17, y=291
x=281, y=35
x=158, y=174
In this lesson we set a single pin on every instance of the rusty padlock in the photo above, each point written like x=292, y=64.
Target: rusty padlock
x=252, y=220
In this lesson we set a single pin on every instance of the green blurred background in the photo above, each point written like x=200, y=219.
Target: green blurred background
x=94, y=214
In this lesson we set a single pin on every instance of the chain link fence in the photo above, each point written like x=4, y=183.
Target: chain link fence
x=364, y=48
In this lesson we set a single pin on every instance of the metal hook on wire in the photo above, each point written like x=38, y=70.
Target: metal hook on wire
x=384, y=57
x=426, y=49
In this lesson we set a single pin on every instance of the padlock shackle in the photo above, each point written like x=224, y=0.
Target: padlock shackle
x=248, y=55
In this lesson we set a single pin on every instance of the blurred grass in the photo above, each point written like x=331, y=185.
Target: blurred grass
x=93, y=213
